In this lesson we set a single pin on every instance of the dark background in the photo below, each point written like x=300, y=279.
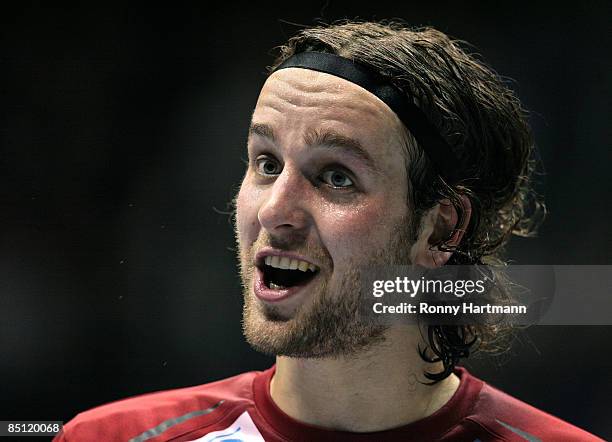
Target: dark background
x=123, y=130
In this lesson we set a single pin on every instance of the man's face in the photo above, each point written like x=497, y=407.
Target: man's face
x=325, y=191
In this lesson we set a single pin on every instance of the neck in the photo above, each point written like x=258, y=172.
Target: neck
x=378, y=389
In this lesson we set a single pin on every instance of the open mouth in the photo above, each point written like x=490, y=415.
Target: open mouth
x=280, y=272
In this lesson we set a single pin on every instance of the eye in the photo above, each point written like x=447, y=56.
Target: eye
x=267, y=165
x=336, y=178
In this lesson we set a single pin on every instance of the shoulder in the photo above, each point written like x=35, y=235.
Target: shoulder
x=509, y=418
x=159, y=411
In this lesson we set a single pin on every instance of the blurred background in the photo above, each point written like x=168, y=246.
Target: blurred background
x=122, y=135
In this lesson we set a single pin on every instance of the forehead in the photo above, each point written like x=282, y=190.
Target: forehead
x=295, y=101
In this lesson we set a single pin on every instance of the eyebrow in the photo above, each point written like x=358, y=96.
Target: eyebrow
x=319, y=138
x=263, y=130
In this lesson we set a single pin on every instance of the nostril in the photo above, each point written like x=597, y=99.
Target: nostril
x=275, y=215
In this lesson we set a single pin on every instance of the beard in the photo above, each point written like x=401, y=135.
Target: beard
x=330, y=323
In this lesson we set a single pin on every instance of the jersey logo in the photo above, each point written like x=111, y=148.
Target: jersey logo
x=242, y=430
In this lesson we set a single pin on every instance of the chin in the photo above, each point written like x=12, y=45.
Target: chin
x=265, y=335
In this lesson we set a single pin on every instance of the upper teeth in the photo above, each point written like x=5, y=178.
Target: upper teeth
x=282, y=262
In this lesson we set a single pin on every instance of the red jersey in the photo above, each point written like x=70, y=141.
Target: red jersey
x=240, y=409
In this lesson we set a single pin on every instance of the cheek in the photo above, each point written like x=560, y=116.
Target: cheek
x=247, y=204
x=349, y=231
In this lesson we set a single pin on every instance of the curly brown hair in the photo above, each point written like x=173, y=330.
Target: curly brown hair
x=486, y=126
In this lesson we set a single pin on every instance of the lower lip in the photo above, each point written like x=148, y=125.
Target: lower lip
x=265, y=293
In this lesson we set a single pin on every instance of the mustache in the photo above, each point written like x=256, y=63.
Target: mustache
x=290, y=243
x=294, y=242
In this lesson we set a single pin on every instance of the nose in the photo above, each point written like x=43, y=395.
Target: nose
x=284, y=208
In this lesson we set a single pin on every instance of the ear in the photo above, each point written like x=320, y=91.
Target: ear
x=436, y=225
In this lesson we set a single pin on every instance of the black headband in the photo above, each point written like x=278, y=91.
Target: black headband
x=428, y=137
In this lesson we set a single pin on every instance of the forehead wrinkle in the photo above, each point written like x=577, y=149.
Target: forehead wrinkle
x=330, y=110
x=320, y=89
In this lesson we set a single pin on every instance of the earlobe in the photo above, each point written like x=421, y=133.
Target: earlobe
x=436, y=226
